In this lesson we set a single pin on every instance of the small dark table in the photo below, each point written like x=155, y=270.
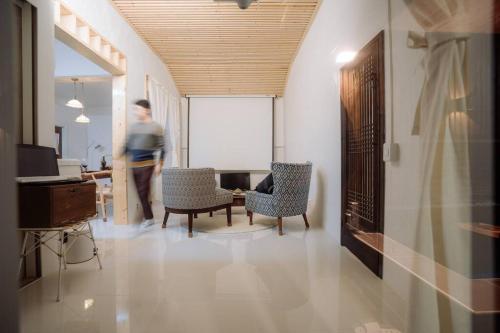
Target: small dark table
x=238, y=200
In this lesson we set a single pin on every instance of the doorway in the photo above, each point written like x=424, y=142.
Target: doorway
x=363, y=135
x=83, y=119
x=83, y=39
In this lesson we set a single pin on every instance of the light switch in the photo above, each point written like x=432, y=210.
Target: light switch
x=391, y=152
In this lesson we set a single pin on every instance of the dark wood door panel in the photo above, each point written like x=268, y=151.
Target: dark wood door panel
x=362, y=104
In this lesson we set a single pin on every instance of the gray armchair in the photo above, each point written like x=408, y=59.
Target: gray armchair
x=193, y=191
x=290, y=195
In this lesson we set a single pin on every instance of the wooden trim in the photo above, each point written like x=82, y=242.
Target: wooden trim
x=382, y=133
x=34, y=75
x=119, y=130
x=78, y=34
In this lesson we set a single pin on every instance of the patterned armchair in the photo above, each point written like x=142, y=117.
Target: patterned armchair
x=290, y=195
x=193, y=191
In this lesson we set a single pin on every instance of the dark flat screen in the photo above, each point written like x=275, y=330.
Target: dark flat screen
x=33, y=161
x=232, y=181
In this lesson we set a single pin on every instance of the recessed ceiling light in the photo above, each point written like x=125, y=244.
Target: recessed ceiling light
x=345, y=57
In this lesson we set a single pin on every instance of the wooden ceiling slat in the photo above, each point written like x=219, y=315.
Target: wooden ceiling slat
x=213, y=47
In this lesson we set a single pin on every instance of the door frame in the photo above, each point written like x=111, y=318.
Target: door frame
x=77, y=34
x=372, y=258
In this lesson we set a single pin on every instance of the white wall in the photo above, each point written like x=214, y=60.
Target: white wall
x=312, y=101
x=312, y=132
x=99, y=133
x=279, y=137
x=77, y=138
x=68, y=62
x=74, y=135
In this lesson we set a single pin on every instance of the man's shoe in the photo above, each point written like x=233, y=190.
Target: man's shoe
x=147, y=223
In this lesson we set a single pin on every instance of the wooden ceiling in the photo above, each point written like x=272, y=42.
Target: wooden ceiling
x=215, y=48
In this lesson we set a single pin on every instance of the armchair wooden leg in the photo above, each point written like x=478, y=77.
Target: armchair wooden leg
x=280, y=226
x=165, y=218
x=228, y=214
x=195, y=215
x=250, y=215
x=305, y=220
x=211, y=214
x=190, y=224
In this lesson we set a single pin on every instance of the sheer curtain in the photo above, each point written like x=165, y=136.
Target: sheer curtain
x=165, y=111
x=174, y=132
x=441, y=122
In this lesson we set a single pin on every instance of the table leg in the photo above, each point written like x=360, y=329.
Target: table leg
x=64, y=254
x=60, y=255
x=96, y=250
x=23, y=252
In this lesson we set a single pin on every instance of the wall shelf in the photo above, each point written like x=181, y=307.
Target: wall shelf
x=479, y=296
x=76, y=33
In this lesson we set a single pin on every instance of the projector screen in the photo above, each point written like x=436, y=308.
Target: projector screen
x=231, y=133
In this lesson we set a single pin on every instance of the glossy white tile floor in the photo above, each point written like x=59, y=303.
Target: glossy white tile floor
x=162, y=281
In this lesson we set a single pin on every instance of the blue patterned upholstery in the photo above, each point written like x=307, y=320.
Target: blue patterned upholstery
x=192, y=189
x=291, y=191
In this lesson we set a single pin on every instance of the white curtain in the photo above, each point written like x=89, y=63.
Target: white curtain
x=165, y=111
x=174, y=132
x=442, y=123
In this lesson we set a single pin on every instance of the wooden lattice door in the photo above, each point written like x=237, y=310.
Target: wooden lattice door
x=362, y=99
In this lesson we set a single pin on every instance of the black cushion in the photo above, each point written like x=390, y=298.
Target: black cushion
x=266, y=185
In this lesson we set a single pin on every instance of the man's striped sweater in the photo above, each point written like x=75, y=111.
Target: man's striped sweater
x=144, y=139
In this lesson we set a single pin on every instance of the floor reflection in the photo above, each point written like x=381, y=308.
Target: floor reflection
x=160, y=280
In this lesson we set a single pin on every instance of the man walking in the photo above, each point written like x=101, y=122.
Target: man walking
x=145, y=138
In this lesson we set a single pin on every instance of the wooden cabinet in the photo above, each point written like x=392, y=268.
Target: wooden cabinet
x=42, y=206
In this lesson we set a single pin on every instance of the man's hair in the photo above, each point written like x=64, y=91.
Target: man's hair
x=143, y=103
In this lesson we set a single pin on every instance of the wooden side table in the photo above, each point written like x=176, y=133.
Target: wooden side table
x=238, y=200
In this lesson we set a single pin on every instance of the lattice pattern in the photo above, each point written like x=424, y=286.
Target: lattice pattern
x=192, y=189
x=291, y=191
x=361, y=140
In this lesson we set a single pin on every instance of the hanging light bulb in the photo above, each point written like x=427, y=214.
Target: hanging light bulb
x=74, y=103
x=82, y=118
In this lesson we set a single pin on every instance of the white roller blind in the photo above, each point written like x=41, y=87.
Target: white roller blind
x=231, y=133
